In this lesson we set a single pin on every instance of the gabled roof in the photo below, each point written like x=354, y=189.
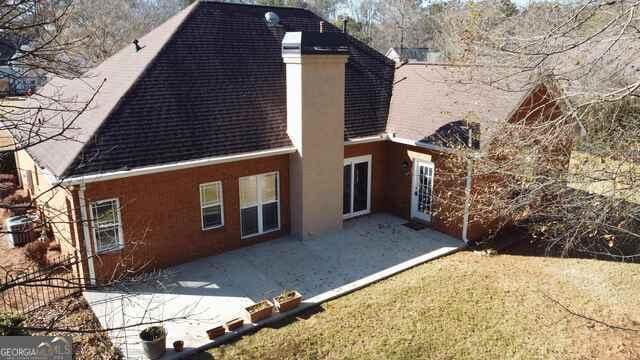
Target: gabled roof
x=209, y=82
x=414, y=54
x=432, y=103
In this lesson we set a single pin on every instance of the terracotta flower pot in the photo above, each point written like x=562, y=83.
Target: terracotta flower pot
x=178, y=345
x=259, y=311
x=286, y=303
x=215, y=332
x=233, y=324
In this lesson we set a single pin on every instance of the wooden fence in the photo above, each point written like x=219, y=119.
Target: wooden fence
x=28, y=290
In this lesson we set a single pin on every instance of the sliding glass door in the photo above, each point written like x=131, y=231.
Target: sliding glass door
x=356, y=195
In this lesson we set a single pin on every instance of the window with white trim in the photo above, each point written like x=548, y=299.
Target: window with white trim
x=211, y=205
x=107, y=226
x=259, y=204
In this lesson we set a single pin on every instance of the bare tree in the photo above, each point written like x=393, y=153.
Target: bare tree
x=571, y=174
x=58, y=40
x=104, y=27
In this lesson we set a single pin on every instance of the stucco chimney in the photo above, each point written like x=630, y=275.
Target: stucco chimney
x=315, y=70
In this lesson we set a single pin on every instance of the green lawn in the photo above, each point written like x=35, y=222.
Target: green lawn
x=468, y=306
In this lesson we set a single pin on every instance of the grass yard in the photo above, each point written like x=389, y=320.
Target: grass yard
x=469, y=306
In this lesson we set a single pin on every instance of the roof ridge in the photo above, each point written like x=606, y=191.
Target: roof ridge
x=218, y=2
x=185, y=14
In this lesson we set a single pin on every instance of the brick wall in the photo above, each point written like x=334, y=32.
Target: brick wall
x=161, y=212
x=162, y=220
x=445, y=218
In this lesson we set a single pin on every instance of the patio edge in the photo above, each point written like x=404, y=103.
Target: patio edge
x=320, y=299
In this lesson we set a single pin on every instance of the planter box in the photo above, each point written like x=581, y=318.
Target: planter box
x=215, y=332
x=265, y=310
x=233, y=324
x=284, y=305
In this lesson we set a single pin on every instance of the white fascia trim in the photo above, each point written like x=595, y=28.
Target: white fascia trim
x=176, y=166
x=419, y=144
x=366, y=139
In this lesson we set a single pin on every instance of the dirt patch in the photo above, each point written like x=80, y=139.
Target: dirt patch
x=12, y=259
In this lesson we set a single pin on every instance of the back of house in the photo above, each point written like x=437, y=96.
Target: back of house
x=235, y=124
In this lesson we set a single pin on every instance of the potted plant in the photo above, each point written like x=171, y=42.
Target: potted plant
x=154, y=341
x=260, y=310
x=215, y=332
x=178, y=345
x=233, y=324
x=287, y=300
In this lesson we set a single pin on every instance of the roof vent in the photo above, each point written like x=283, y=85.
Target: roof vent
x=272, y=18
x=137, y=44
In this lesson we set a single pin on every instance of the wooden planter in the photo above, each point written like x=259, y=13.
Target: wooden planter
x=215, y=332
x=233, y=324
x=259, y=311
x=289, y=303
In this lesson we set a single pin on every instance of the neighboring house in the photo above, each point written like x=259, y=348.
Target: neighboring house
x=226, y=130
x=14, y=79
x=413, y=55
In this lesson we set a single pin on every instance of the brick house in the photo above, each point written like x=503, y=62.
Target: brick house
x=235, y=124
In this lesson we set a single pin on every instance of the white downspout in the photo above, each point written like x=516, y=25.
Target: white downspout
x=87, y=239
x=467, y=201
x=467, y=191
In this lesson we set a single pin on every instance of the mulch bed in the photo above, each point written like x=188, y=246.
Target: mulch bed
x=74, y=313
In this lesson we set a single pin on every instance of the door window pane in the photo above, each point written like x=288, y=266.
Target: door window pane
x=248, y=191
x=270, y=216
x=425, y=184
x=249, y=218
x=360, y=186
x=346, y=190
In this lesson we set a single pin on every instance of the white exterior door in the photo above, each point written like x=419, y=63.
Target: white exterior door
x=356, y=186
x=422, y=190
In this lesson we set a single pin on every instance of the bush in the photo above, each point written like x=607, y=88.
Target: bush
x=54, y=246
x=8, y=178
x=17, y=198
x=36, y=251
x=6, y=188
x=10, y=324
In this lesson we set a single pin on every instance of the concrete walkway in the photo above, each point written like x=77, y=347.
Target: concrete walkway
x=207, y=292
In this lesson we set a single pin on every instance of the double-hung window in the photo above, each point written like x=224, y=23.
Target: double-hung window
x=107, y=226
x=259, y=204
x=211, y=205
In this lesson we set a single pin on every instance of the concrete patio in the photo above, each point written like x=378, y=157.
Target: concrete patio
x=204, y=293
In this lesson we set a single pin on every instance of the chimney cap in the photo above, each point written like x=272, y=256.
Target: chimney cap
x=309, y=42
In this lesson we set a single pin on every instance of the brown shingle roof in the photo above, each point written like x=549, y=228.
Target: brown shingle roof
x=430, y=102
x=209, y=82
x=114, y=78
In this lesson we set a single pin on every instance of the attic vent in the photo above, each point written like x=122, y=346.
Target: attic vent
x=272, y=18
